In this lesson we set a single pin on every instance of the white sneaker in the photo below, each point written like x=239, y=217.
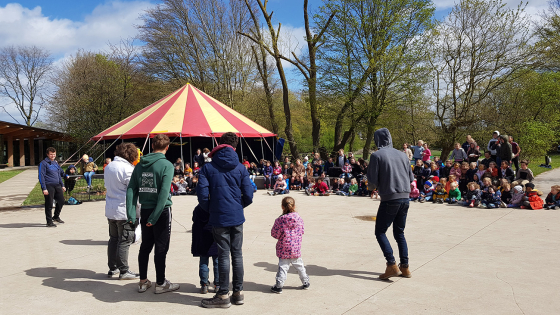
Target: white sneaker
x=129, y=275
x=143, y=286
x=166, y=287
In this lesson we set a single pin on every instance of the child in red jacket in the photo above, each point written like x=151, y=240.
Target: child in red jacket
x=288, y=230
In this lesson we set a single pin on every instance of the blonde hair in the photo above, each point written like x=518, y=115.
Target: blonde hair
x=288, y=205
x=473, y=164
x=453, y=185
x=487, y=180
x=353, y=181
x=473, y=184
x=555, y=187
x=452, y=177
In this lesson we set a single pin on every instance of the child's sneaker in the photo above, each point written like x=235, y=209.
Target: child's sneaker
x=276, y=289
x=305, y=286
x=166, y=287
x=143, y=286
x=204, y=289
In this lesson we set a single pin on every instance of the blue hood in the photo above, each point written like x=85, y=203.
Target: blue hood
x=226, y=158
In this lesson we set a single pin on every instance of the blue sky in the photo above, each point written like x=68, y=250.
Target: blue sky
x=65, y=26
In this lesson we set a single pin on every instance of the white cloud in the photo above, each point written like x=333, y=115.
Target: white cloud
x=534, y=7
x=109, y=22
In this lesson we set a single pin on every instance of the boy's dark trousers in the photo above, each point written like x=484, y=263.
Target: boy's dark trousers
x=159, y=235
x=229, y=240
x=121, y=236
x=55, y=193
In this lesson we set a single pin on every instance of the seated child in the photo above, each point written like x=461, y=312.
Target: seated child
x=267, y=173
x=471, y=172
x=70, y=183
x=473, y=195
x=428, y=192
x=492, y=198
x=438, y=163
x=553, y=199
x=506, y=194
x=524, y=175
x=177, y=171
x=346, y=171
x=434, y=169
x=487, y=159
x=476, y=179
x=279, y=186
x=188, y=168
x=183, y=186
x=516, y=198
x=276, y=171
x=506, y=172
x=440, y=194
x=426, y=172
x=418, y=169
x=344, y=187
x=531, y=200
x=454, y=193
x=456, y=170
x=288, y=230
x=414, y=192
x=363, y=187
x=450, y=181
x=481, y=171
x=353, y=187
x=445, y=171
x=335, y=186
x=204, y=246
x=196, y=169
x=296, y=183
x=319, y=189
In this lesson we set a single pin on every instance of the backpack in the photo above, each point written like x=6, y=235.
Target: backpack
x=73, y=201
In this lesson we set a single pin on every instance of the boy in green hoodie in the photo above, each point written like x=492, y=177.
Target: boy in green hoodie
x=150, y=185
x=454, y=194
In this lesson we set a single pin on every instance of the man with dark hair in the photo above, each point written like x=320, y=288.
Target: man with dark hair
x=121, y=232
x=52, y=186
x=389, y=171
x=227, y=182
x=150, y=184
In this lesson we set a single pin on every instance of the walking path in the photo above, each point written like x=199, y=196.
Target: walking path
x=15, y=190
x=463, y=260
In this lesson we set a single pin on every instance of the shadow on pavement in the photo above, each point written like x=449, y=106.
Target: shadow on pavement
x=20, y=225
x=84, y=242
x=79, y=280
x=314, y=270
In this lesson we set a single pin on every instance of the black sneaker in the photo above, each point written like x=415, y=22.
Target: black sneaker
x=276, y=290
x=305, y=286
x=58, y=220
x=50, y=224
x=218, y=301
x=237, y=298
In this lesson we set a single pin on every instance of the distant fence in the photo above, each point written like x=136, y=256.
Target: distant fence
x=76, y=186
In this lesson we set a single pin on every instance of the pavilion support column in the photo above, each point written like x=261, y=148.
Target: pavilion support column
x=41, y=151
x=10, y=143
x=21, y=152
x=31, y=151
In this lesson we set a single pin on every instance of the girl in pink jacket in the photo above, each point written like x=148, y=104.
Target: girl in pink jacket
x=288, y=230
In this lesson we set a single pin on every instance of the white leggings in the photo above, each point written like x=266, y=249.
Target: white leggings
x=284, y=266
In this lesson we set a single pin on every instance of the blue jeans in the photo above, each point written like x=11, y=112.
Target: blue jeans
x=392, y=212
x=204, y=271
x=87, y=176
x=229, y=240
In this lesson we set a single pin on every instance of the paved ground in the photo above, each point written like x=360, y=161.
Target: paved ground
x=15, y=190
x=464, y=261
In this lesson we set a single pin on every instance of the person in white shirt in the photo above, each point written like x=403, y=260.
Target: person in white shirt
x=121, y=232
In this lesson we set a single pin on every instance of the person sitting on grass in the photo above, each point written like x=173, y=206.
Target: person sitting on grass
x=531, y=200
x=454, y=194
x=553, y=199
x=473, y=196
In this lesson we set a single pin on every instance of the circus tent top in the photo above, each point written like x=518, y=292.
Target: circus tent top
x=187, y=112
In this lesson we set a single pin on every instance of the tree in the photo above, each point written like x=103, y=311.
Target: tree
x=480, y=46
x=548, y=32
x=197, y=41
x=373, y=51
x=24, y=79
x=274, y=51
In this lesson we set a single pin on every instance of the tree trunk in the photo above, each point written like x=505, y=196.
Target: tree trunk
x=263, y=71
x=352, y=138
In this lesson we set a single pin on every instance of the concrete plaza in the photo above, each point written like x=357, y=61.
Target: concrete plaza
x=463, y=261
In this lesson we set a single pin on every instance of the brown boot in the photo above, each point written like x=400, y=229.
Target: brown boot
x=391, y=271
x=405, y=271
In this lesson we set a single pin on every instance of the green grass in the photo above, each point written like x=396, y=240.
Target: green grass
x=35, y=197
x=5, y=175
x=534, y=165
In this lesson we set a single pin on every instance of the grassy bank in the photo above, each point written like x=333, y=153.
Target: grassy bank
x=5, y=175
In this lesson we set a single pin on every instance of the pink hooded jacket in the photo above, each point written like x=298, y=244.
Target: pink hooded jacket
x=288, y=230
x=414, y=192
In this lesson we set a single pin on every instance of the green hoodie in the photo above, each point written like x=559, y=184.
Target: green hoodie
x=150, y=183
x=455, y=194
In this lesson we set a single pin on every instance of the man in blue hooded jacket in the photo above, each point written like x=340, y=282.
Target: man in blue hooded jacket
x=50, y=178
x=224, y=189
x=389, y=171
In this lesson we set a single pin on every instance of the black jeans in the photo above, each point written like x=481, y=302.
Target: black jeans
x=55, y=193
x=392, y=212
x=159, y=235
x=121, y=236
x=515, y=161
x=229, y=239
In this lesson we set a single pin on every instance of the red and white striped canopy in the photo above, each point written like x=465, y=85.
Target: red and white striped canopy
x=187, y=112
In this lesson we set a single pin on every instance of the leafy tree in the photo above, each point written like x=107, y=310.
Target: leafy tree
x=537, y=139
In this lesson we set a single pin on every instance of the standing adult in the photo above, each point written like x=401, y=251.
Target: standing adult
x=150, y=184
x=121, y=232
x=52, y=186
x=492, y=144
x=418, y=151
x=467, y=144
x=505, y=153
x=224, y=190
x=408, y=152
x=473, y=153
x=516, y=150
x=340, y=159
x=206, y=156
x=199, y=158
x=389, y=171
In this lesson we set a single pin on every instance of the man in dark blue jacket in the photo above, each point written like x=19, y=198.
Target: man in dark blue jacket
x=224, y=189
x=50, y=178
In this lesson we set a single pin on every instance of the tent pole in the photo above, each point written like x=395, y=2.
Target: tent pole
x=241, y=145
x=262, y=147
x=190, y=151
x=273, y=149
x=104, y=151
x=144, y=146
x=182, y=161
x=149, y=144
